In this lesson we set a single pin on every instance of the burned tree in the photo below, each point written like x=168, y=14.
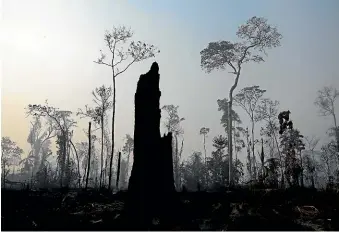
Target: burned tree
x=151, y=183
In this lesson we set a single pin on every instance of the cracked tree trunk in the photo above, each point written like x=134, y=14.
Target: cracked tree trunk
x=151, y=185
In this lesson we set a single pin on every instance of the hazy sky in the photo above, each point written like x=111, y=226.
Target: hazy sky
x=48, y=48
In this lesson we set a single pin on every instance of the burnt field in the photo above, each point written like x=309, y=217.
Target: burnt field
x=234, y=210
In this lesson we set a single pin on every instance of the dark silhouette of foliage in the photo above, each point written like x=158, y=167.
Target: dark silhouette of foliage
x=292, y=145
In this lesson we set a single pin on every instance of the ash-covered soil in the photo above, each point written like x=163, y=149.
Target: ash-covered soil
x=234, y=210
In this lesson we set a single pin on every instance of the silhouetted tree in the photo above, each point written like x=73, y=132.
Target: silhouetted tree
x=172, y=124
x=123, y=175
x=328, y=156
x=291, y=144
x=118, y=172
x=10, y=155
x=44, y=170
x=204, y=131
x=256, y=36
x=194, y=172
x=36, y=138
x=310, y=160
x=237, y=130
x=249, y=98
x=120, y=61
x=127, y=149
x=103, y=103
x=326, y=101
x=271, y=167
x=62, y=122
x=82, y=148
x=267, y=111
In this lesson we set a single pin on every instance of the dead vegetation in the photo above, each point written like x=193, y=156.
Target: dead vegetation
x=239, y=209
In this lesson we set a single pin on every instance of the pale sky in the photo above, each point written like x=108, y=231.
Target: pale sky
x=48, y=48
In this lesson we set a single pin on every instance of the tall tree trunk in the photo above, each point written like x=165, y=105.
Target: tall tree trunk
x=89, y=153
x=253, y=153
x=102, y=149
x=235, y=145
x=118, y=172
x=249, y=155
x=262, y=158
x=113, y=119
x=230, y=175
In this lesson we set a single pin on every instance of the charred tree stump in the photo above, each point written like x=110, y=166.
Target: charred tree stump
x=151, y=185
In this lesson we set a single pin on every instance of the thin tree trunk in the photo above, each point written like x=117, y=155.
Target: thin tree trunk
x=113, y=119
x=230, y=175
x=230, y=166
x=102, y=149
x=89, y=154
x=235, y=145
x=118, y=172
x=253, y=153
x=63, y=164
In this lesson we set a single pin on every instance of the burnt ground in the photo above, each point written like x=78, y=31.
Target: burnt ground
x=234, y=210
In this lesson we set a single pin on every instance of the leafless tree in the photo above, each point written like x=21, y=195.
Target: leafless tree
x=256, y=36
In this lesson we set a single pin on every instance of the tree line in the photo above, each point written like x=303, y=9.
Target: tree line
x=280, y=157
